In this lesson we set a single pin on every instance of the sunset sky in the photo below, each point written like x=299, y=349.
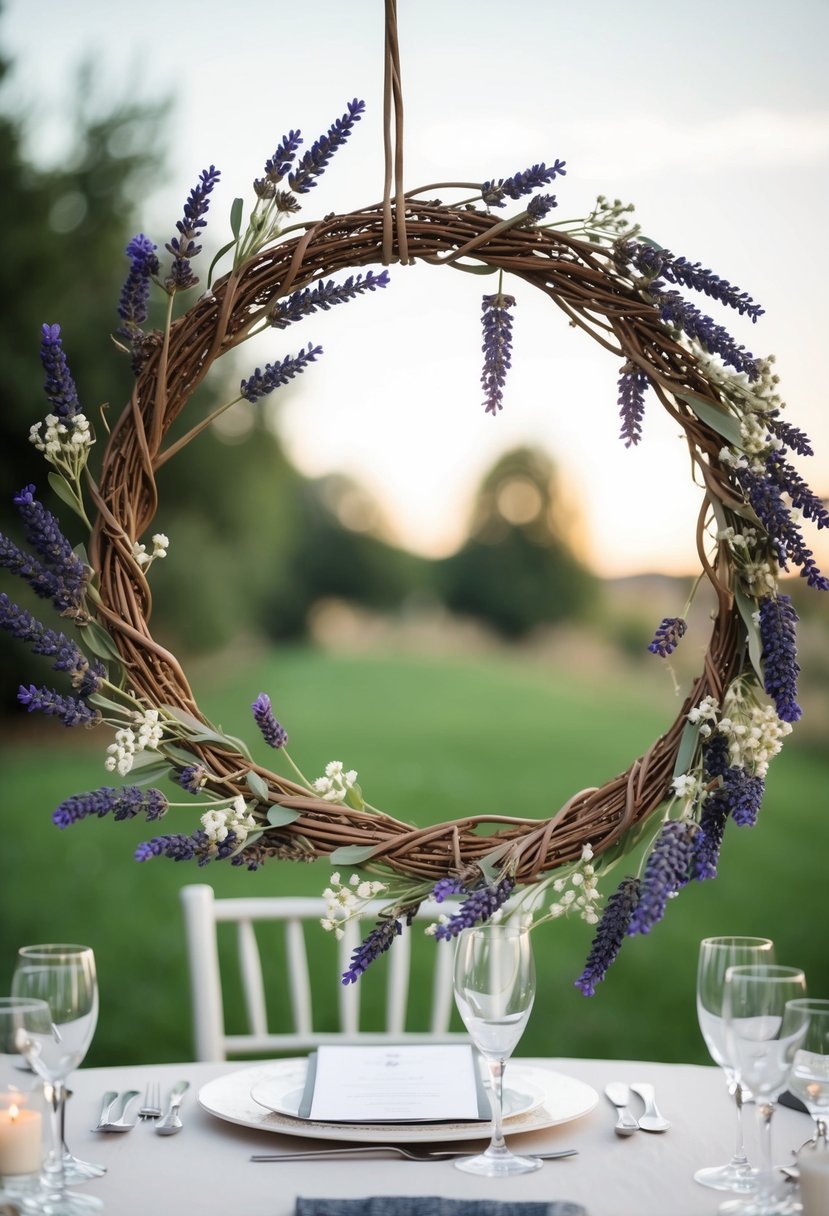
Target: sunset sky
x=713, y=119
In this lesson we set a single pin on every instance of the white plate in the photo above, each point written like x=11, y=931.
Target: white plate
x=282, y=1092
x=229, y=1097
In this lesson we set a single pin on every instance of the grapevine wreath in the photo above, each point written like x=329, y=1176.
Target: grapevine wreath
x=628, y=294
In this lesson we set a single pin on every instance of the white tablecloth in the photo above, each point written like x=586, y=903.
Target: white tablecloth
x=205, y=1169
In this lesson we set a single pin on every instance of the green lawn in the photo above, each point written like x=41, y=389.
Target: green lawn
x=432, y=739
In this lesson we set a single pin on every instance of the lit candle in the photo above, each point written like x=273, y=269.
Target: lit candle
x=21, y=1139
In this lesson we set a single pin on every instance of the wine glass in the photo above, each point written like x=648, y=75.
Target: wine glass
x=494, y=981
x=716, y=955
x=810, y=1076
x=763, y=1033
x=64, y=977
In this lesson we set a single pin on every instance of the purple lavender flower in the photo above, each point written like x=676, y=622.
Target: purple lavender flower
x=42, y=581
x=610, y=934
x=67, y=655
x=59, y=387
x=69, y=709
x=803, y=498
x=192, y=778
x=715, y=760
x=494, y=193
x=669, y=634
x=666, y=870
x=675, y=311
x=135, y=294
x=177, y=847
x=276, y=374
x=792, y=436
x=444, y=887
x=540, y=206
x=661, y=263
x=707, y=841
x=479, y=906
x=278, y=165
x=123, y=803
x=497, y=348
x=378, y=942
x=273, y=732
x=744, y=793
x=324, y=296
x=631, y=401
x=183, y=247
x=315, y=161
x=43, y=533
x=778, y=634
x=767, y=502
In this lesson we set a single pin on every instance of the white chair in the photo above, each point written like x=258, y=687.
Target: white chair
x=203, y=912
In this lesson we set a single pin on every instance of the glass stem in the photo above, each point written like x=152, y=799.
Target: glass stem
x=765, y=1110
x=739, y=1157
x=53, y=1166
x=496, y=1072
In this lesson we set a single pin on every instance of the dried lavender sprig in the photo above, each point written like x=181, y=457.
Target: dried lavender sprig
x=497, y=347
x=324, y=296
x=633, y=383
x=135, y=294
x=744, y=793
x=278, y=165
x=42, y=581
x=767, y=502
x=183, y=247
x=43, y=533
x=705, y=852
x=804, y=499
x=316, y=159
x=123, y=803
x=70, y=710
x=681, y=314
x=67, y=654
x=493, y=193
x=59, y=387
x=661, y=263
x=480, y=905
x=378, y=942
x=791, y=436
x=177, y=847
x=666, y=870
x=669, y=634
x=444, y=887
x=276, y=374
x=778, y=634
x=540, y=206
x=192, y=778
x=610, y=934
x=274, y=734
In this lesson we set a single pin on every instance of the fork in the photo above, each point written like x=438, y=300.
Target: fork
x=152, y=1102
x=354, y=1150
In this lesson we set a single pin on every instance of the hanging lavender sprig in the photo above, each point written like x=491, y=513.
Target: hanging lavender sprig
x=633, y=384
x=479, y=906
x=68, y=656
x=804, y=499
x=59, y=387
x=610, y=934
x=43, y=533
x=744, y=794
x=315, y=161
x=278, y=165
x=766, y=500
x=177, y=847
x=662, y=264
x=42, y=581
x=70, y=710
x=778, y=634
x=183, y=247
x=322, y=297
x=123, y=803
x=495, y=193
x=276, y=374
x=273, y=732
x=379, y=940
x=135, y=294
x=497, y=348
x=669, y=634
x=791, y=436
x=705, y=852
x=666, y=870
x=679, y=313
x=444, y=887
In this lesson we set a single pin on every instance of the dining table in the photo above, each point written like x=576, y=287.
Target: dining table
x=206, y=1168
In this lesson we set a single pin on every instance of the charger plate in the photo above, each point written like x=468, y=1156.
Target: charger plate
x=230, y=1097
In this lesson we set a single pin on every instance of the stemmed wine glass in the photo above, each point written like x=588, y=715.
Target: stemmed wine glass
x=810, y=1076
x=64, y=977
x=716, y=955
x=764, y=1030
x=494, y=980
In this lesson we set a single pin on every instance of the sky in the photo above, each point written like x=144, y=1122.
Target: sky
x=712, y=118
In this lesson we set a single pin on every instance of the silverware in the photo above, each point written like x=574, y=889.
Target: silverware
x=171, y=1123
x=122, y=1124
x=107, y=1102
x=397, y=1150
x=152, y=1102
x=652, y=1120
x=619, y=1095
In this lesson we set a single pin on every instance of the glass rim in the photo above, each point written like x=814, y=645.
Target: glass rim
x=764, y=971
x=53, y=950
x=22, y=1002
x=727, y=943
x=814, y=1004
x=498, y=927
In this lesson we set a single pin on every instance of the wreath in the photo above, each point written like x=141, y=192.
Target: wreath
x=627, y=293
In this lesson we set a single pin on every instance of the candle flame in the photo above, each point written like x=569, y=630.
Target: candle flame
x=14, y=1111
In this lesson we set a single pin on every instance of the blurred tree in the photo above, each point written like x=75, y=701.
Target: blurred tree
x=519, y=568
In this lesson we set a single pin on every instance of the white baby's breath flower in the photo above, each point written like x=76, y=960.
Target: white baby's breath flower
x=161, y=544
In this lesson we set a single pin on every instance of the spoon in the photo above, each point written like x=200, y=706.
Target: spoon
x=619, y=1095
x=171, y=1123
x=651, y=1120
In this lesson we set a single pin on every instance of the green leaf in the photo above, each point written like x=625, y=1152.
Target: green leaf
x=747, y=608
x=258, y=786
x=96, y=638
x=354, y=797
x=147, y=773
x=723, y=423
x=352, y=854
x=687, y=748
x=198, y=732
x=65, y=493
x=279, y=816
x=101, y=702
x=236, y=216
x=224, y=249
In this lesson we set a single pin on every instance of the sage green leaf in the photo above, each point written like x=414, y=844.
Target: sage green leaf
x=148, y=773
x=101, y=702
x=257, y=785
x=279, y=816
x=687, y=748
x=65, y=493
x=747, y=607
x=723, y=423
x=96, y=638
x=354, y=797
x=224, y=249
x=236, y=216
x=352, y=854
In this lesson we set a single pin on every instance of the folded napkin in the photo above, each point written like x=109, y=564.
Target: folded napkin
x=433, y=1205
